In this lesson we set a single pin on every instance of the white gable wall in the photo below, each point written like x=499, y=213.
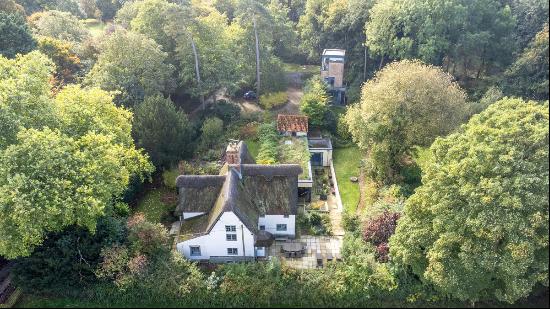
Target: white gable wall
x=189, y=215
x=270, y=222
x=215, y=243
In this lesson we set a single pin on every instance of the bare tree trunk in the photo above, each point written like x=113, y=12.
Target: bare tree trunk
x=257, y=61
x=197, y=71
x=365, y=65
x=381, y=63
x=482, y=65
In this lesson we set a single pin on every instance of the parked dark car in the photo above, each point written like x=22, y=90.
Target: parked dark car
x=250, y=95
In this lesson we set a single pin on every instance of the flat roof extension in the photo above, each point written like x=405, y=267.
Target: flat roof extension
x=334, y=52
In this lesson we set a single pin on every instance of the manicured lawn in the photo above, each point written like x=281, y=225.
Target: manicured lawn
x=158, y=204
x=346, y=165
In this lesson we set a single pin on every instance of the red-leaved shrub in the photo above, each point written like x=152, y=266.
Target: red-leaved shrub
x=382, y=252
x=378, y=231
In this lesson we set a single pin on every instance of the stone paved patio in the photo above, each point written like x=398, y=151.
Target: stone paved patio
x=325, y=245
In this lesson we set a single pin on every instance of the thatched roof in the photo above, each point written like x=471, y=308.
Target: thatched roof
x=262, y=190
x=254, y=191
x=199, y=181
x=197, y=193
x=272, y=188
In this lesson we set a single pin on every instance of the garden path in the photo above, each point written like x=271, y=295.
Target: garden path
x=294, y=93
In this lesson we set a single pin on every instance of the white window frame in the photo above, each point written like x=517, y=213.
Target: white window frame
x=231, y=237
x=232, y=251
x=230, y=228
x=279, y=227
x=195, y=254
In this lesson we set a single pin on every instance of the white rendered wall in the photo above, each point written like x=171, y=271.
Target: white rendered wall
x=270, y=222
x=215, y=243
x=189, y=215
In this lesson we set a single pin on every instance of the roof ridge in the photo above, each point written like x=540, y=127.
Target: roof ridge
x=199, y=181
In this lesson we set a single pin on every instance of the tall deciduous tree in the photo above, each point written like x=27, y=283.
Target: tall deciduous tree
x=67, y=63
x=151, y=18
x=89, y=8
x=250, y=11
x=407, y=104
x=15, y=35
x=32, y=6
x=142, y=71
x=185, y=29
x=10, y=6
x=478, y=226
x=59, y=25
x=469, y=38
x=162, y=130
x=339, y=24
x=315, y=101
x=531, y=16
x=63, y=161
x=528, y=76
x=92, y=110
x=49, y=181
x=70, y=6
x=107, y=8
x=24, y=95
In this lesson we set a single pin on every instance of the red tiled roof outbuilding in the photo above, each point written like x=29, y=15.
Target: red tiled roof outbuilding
x=292, y=123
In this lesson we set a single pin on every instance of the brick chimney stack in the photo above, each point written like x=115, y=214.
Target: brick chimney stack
x=232, y=156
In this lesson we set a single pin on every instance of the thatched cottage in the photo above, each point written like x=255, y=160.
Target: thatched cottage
x=235, y=215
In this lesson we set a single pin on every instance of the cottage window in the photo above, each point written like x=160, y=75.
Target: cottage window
x=262, y=227
x=231, y=237
x=286, y=216
x=232, y=251
x=195, y=250
x=281, y=227
x=230, y=228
